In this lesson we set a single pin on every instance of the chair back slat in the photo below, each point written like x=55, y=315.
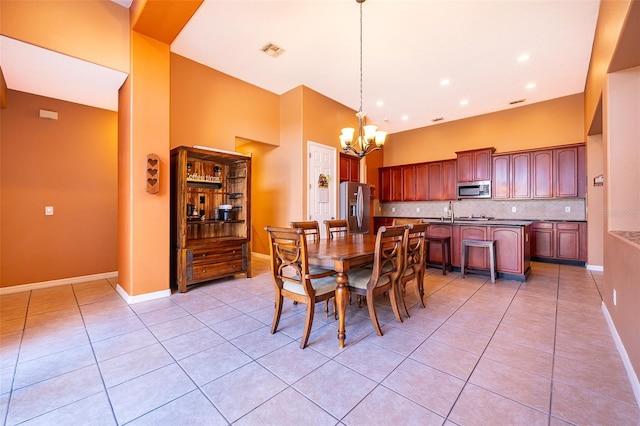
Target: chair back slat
x=310, y=227
x=389, y=253
x=336, y=227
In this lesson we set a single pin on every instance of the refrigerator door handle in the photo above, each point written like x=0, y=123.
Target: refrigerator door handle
x=360, y=204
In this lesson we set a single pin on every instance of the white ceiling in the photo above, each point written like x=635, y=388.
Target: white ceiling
x=409, y=47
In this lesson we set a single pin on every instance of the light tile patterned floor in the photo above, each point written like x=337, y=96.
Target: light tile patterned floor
x=478, y=354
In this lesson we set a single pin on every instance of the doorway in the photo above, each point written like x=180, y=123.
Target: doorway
x=322, y=183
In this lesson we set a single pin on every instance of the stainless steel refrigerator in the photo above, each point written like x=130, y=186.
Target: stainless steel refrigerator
x=355, y=206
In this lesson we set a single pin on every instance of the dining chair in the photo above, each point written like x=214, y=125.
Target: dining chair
x=310, y=227
x=336, y=227
x=414, y=263
x=291, y=276
x=388, y=264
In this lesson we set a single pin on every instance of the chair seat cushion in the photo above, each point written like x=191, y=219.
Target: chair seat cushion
x=320, y=285
x=359, y=278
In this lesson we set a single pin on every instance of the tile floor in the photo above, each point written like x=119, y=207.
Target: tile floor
x=538, y=353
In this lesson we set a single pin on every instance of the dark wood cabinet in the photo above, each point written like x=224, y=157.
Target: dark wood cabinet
x=422, y=182
x=384, y=180
x=449, y=180
x=396, y=183
x=511, y=176
x=409, y=183
x=435, y=181
x=542, y=173
x=565, y=242
x=381, y=221
x=435, y=251
x=566, y=172
x=210, y=215
x=474, y=165
x=349, y=168
x=477, y=257
x=514, y=253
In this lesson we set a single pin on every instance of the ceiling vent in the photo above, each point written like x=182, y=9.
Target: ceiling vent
x=519, y=101
x=272, y=50
x=437, y=119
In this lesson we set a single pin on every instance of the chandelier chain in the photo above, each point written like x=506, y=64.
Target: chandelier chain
x=360, y=57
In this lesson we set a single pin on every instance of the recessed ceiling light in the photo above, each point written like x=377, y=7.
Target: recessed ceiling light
x=405, y=117
x=464, y=102
x=444, y=82
x=530, y=86
x=379, y=103
x=523, y=58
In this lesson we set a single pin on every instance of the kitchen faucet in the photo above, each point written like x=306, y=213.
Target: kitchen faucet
x=451, y=210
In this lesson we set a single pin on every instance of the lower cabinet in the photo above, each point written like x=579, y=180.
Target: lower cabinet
x=561, y=242
x=381, y=221
x=208, y=263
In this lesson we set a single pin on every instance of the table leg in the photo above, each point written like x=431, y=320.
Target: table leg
x=342, y=298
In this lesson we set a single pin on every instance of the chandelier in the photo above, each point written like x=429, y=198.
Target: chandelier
x=362, y=142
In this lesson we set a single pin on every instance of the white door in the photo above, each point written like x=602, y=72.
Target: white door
x=322, y=183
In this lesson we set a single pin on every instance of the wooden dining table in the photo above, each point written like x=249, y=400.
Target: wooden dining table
x=342, y=254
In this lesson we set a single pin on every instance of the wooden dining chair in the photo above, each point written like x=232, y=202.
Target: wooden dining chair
x=291, y=276
x=388, y=264
x=414, y=263
x=310, y=227
x=336, y=227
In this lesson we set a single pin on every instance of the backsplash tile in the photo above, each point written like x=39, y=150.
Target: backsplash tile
x=499, y=209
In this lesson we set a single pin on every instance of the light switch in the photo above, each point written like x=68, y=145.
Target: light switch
x=48, y=210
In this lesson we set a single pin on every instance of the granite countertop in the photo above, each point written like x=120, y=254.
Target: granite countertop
x=480, y=222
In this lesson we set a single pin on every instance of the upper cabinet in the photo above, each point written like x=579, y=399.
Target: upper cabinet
x=511, y=176
x=558, y=172
x=418, y=182
x=349, y=168
x=474, y=165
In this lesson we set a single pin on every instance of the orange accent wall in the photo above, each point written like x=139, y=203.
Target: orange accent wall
x=95, y=31
x=212, y=108
x=555, y=122
x=143, y=243
x=163, y=20
x=3, y=90
x=70, y=164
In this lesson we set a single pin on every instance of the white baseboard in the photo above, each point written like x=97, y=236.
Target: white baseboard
x=633, y=377
x=55, y=283
x=599, y=268
x=142, y=297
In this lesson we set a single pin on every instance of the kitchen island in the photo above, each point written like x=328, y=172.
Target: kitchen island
x=513, y=244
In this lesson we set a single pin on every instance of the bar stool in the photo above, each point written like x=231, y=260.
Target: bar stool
x=490, y=244
x=445, y=246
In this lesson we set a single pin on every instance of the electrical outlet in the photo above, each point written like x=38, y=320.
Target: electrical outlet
x=48, y=210
x=513, y=209
x=418, y=209
x=567, y=209
x=393, y=209
x=446, y=209
x=379, y=209
x=614, y=297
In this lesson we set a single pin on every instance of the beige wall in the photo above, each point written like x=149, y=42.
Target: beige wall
x=555, y=122
x=213, y=109
x=70, y=164
x=95, y=31
x=595, y=202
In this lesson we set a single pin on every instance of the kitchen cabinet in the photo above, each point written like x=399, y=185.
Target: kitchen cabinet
x=349, y=168
x=474, y=165
x=566, y=172
x=396, y=184
x=381, y=221
x=408, y=183
x=435, y=251
x=542, y=173
x=422, y=182
x=511, y=176
x=478, y=257
x=559, y=242
x=384, y=180
x=435, y=181
x=558, y=172
x=449, y=180
x=514, y=255
x=210, y=215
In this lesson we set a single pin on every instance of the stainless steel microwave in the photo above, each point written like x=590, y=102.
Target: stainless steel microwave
x=480, y=189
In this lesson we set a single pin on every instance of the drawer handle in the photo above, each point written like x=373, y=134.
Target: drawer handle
x=204, y=270
x=203, y=255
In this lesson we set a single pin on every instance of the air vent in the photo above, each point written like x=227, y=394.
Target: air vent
x=272, y=50
x=517, y=101
x=437, y=119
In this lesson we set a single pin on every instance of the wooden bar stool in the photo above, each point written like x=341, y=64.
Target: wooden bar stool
x=445, y=245
x=490, y=244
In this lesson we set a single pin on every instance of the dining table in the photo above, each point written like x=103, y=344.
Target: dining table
x=341, y=254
